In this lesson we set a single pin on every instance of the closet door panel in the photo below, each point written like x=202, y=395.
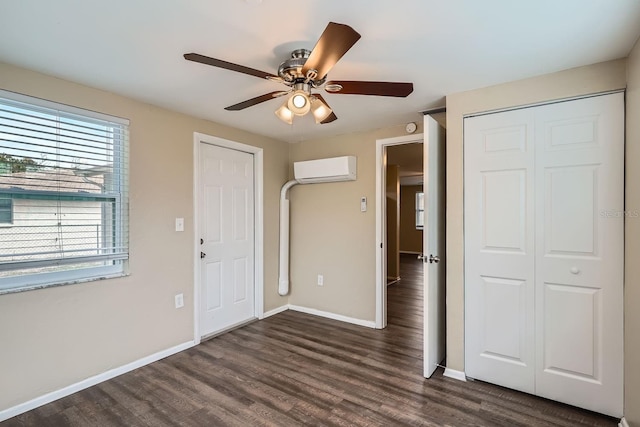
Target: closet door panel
x=579, y=252
x=499, y=251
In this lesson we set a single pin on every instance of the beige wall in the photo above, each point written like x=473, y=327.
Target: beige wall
x=410, y=237
x=329, y=234
x=632, y=242
x=58, y=336
x=578, y=81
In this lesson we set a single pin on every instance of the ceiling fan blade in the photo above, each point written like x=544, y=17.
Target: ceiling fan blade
x=350, y=87
x=195, y=57
x=334, y=42
x=332, y=117
x=257, y=100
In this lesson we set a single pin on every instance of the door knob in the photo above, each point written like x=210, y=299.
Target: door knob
x=434, y=258
x=202, y=255
x=421, y=257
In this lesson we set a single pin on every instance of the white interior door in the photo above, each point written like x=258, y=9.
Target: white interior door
x=580, y=252
x=499, y=249
x=226, y=200
x=544, y=251
x=433, y=245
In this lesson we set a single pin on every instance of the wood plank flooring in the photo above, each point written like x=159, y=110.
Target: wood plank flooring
x=295, y=369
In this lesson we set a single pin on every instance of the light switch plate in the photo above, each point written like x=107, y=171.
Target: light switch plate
x=179, y=224
x=179, y=300
x=363, y=204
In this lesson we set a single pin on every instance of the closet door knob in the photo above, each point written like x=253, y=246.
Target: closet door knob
x=574, y=270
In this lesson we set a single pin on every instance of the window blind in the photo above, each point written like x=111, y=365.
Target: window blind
x=64, y=177
x=419, y=210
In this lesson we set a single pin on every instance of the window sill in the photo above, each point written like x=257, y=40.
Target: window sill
x=64, y=283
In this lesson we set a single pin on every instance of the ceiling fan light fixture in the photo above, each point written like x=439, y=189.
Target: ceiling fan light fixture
x=285, y=114
x=307, y=70
x=299, y=100
x=299, y=103
x=320, y=110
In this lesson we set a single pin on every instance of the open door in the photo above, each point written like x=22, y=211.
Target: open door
x=433, y=245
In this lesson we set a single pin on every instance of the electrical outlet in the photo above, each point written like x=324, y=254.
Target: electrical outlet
x=320, y=280
x=179, y=300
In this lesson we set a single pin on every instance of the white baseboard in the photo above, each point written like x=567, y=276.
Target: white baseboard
x=275, y=311
x=623, y=422
x=86, y=383
x=456, y=375
x=392, y=282
x=328, y=315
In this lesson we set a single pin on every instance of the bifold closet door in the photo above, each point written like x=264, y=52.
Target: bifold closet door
x=499, y=249
x=580, y=252
x=544, y=250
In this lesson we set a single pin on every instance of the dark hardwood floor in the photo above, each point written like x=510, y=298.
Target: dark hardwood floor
x=293, y=369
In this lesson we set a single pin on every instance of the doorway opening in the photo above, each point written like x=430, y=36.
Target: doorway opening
x=404, y=213
x=404, y=172
x=410, y=220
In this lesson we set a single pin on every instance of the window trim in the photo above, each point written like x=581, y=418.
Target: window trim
x=33, y=281
x=418, y=210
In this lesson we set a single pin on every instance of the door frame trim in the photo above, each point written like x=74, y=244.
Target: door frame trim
x=381, y=228
x=258, y=218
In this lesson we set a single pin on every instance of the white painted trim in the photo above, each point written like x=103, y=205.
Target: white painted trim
x=275, y=311
x=381, y=249
x=538, y=104
x=27, y=99
x=258, y=166
x=328, y=315
x=91, y=381
x=456, y=375
x=196, y=238
x=381, y=230
x=623, y=422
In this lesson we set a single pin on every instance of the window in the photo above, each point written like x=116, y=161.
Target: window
x=420, y=211
x=63, y=189
x=6, y=211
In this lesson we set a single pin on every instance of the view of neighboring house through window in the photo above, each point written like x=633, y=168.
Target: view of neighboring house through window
x=420, y=211
x=63, y=194
x=6, y=211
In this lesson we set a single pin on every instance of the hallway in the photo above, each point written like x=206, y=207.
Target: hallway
x=404, y=298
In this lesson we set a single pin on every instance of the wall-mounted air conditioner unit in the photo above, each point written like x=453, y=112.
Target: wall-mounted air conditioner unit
x=325, y=170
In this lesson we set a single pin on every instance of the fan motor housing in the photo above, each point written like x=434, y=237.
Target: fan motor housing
x=291, y=70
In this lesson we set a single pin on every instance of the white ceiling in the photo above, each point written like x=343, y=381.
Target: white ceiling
x=135, y=48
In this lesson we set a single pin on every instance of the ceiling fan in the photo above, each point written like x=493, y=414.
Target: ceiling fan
x=306, y=71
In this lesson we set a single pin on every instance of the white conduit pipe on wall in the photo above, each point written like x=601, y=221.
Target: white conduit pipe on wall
x=336, y=169
x=283, y=283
